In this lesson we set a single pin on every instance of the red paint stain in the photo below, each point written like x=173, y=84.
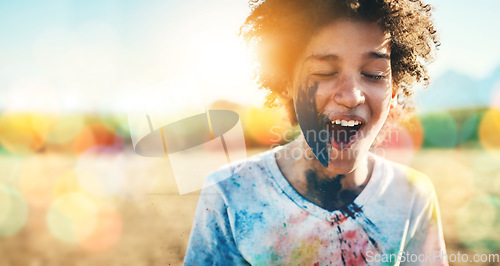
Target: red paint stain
x=355, y=246
x=296, y=219
x=350, y=235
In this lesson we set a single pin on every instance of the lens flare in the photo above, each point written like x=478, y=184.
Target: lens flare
x=72, y=217
x=266, y=126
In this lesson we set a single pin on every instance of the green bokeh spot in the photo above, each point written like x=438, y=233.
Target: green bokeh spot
x=478, y=224
x=440, y=130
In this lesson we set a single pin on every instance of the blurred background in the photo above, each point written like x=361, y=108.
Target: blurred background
x=72, y=190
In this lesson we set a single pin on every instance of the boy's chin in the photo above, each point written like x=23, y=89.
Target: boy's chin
x=343, y=163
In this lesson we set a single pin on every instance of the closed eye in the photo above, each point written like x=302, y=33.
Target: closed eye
x=325, y=75
x=375, y=77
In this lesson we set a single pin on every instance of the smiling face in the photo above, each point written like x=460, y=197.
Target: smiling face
x=342, y=90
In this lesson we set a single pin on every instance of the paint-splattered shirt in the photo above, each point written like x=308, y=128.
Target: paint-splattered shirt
x=254, y=216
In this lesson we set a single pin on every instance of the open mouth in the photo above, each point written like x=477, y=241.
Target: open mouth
x=343, y=133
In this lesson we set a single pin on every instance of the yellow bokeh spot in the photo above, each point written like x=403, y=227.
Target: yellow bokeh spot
x=65, y=128
x=22, y=133
x=418, y=179
x=67, y=182
x=72, y=217
x=489, y=130
x=13, y=211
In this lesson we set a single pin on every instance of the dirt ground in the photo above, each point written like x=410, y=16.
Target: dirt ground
x=151, y=223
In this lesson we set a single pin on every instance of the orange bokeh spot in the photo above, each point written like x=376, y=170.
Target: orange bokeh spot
x=489, y=130
x=106, y=233
x=96, y=134
x=414, y=128
x=266, y=126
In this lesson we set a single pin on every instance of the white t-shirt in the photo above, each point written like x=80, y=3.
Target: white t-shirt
x=255, y=216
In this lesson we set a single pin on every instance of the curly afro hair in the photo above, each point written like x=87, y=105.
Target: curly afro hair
x=279, y=30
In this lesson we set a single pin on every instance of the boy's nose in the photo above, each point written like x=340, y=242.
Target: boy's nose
x=348, y=93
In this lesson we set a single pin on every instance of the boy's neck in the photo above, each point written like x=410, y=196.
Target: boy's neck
x=322, y=186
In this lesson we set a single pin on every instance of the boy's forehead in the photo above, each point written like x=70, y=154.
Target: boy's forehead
x=348, y=36
x=346, y=31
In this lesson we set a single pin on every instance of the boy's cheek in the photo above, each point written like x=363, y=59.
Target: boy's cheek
x=310, y=123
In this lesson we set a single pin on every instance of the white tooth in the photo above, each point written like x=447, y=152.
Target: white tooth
x=356, y=123
x=350, y=123
x=343, y=123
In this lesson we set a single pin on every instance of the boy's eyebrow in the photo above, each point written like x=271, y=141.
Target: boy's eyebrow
x=323, y=57
x=379, y=55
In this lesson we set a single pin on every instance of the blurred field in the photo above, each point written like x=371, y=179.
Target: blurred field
x=73, y=192
x=467, y=183
x=154, y=222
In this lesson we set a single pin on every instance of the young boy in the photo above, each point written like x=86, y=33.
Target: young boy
x=341, y=68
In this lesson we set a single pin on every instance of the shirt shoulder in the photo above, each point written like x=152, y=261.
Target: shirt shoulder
x=408, y=193
x=404, y=179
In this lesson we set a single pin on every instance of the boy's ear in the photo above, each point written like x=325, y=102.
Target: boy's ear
x=395, y=89
x=394, y=98
x=287, y=93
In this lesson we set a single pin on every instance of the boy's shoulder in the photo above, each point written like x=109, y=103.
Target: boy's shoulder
x=406, y=179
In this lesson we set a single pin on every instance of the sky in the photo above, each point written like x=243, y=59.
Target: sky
x=469, y=36
x=118, y=56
